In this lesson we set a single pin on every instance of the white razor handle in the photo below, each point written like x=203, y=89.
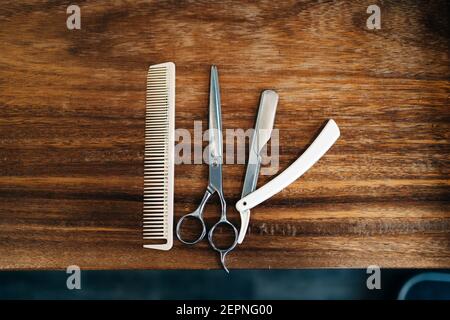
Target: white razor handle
x=316, y=150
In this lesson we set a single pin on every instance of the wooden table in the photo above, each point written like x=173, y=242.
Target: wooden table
x=72, y=130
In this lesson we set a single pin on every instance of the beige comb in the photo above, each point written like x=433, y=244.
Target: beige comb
x=159, y=157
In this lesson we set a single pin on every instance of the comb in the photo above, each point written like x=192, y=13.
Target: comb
x=159, y=157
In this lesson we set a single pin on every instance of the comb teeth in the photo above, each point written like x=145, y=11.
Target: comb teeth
x=159, y=156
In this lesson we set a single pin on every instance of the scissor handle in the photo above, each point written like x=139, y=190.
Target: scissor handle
x=225, y=251
x=180, y=222
x=197, y=214
x=223, y=220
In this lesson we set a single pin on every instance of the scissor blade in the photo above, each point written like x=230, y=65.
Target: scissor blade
x=215, y=118
x=263, y=131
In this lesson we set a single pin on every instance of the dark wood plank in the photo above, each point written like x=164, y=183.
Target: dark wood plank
x=72, y=129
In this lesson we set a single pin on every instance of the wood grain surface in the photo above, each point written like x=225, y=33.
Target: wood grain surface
x=72, y=105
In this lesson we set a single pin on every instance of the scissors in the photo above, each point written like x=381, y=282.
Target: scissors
x=215, y=175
